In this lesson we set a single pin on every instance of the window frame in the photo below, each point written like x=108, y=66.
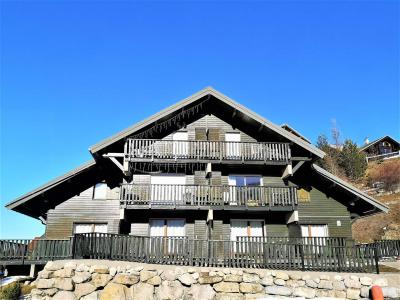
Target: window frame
x=245, y=175
x=92, y=224
x=94, y=191
x=165, y=226
x=248, y=227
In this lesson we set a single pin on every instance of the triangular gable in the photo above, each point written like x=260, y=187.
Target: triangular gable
x=366, y=146
x=197, y=96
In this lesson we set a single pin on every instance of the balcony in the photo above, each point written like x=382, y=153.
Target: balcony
x=171, y=196
x=150, y=150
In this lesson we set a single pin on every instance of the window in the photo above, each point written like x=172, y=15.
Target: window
x=180, y=144
x=246, y=228
x=245, y=180
x=232, y=146
x=90, y=228
x=167, y=227
x=303, y=195
x=100, y=191
x=314, y=230
x=167, y=188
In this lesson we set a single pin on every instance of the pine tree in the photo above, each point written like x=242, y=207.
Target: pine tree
x=352, y=161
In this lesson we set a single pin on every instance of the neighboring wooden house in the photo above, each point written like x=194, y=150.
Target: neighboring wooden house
x=205, y=168
x=382, y=148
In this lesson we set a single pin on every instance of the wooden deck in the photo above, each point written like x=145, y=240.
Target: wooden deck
x=167, y=196
x=139, y=150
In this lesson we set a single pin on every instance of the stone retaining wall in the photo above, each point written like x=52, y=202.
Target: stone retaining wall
x=94, y=281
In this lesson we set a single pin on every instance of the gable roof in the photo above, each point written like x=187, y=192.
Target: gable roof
x=209, y=91
x=19, y=204
x=366, y=146
x=347, y=186
x=295, y=132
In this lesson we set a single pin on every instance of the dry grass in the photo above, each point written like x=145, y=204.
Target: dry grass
x=373, y=228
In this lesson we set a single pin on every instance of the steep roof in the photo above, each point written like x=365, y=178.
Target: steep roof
x=347, y=186
x=366, y=146
x=209, y=91
x=295, y=132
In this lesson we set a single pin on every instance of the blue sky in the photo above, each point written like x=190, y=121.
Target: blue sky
x=73, y=73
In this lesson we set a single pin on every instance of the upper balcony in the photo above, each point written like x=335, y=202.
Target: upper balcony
x=175, y=196
x=151, y=150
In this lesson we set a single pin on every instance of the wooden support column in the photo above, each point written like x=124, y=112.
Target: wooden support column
x=288, y=171
x=292, y=217
x=32, y=271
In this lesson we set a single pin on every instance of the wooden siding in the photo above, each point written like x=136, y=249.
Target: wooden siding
x=217, y=127
x=325, y=210
x=83, y=209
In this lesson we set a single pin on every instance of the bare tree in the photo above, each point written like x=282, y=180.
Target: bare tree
x=335, y=134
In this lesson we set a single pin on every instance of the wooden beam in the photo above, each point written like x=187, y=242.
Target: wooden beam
x=301, y=158
x=114, y=155
x=287, y=172
x=297, y=166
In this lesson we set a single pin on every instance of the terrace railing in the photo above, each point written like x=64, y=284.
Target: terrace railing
x=151, y=149
x=383, y=156
x=25, y=251
x=175, y=195
x=224, y=253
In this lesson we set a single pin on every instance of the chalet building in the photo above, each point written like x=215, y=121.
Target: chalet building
x=382, y=148
x=204, y=168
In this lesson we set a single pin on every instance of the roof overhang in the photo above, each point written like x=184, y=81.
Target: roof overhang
x=351, y=189
x=378, y=140
x=207, y=92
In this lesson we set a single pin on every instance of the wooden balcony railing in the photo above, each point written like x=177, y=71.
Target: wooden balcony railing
x=171, y=195
x=148, y=149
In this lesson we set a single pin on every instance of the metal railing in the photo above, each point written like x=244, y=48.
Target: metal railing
x=151, y=149
x=175, y=195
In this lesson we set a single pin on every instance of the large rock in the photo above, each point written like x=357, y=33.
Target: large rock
x=364, y=292
x=82, y=268
x=81, y=277
x=114, y=291
x=279, y=281
x=278, y=290
x=51, y=292
x=338, y=285
x=282, y=275
x=53, y=266
x=203, y=292
x=171, y=274
x=100, y=280
x=70, y=264
x=304, y=292
x=229, y=296
x=126, y=279
x=66, y=272
x=64, y=295
x=251, y=288
x=367, y=281
x=325, y=284
x=156, y=280
x=340, y=294
x=170, y=290
x=92, y=296
x=252, y=278
x=352, y=283
x=206, y=279
x=83, y=289
x=226, y=287
x=142, y=291
x=352, y=293
x=45, y=283
x=233, y=278
x=267, y=280
x=311, y=283
x=44, y=274
x=146, y=275
x=382, y=282
x=100, y=269
x=391, y=292
x=64, y=284
x=186, y=279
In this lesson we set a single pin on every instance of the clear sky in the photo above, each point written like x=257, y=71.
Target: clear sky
x=73, y=73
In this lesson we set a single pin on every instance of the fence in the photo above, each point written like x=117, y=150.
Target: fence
x=319, y=254
x=25, y=251
x=289, y=254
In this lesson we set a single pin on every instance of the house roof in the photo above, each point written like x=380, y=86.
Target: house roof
x=366, y=146
x=195, y=97
x=19, y=204
x=347, y=186
x=295, y=132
